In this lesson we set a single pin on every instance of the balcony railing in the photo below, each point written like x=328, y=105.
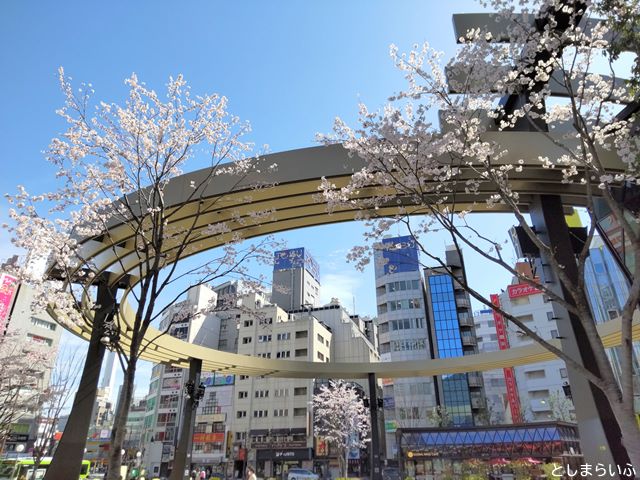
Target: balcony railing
x=475, y=379
x=466, y=320
x=469, y=340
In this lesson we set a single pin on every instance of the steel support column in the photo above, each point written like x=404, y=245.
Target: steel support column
x=67, y=459
x=182, y=458
x=600, y=436
x=375, y=472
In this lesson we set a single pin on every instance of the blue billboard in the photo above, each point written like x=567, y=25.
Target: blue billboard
x=400, y=254
x=296, y=258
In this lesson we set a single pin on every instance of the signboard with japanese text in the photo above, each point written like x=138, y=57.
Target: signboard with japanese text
x=509, y=377
x=217, y=437
x=8, y=288
x=521, y=290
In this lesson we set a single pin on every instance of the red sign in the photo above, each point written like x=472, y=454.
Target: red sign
x=208, y=437
x=521, y=290
x=509, y=377
x=8, y=287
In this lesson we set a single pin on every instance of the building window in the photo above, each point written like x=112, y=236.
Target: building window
x=535, y=374
x=301, y=352
x=38, y=322
x=283, y=336
x=264, y=338
x=300, y=391
x=320, y=338
x=320, y=356
x=299, y=412
x=554, y=333
x=550, y=316
x=241, y=413
x=243, y=377
x=301, y=334
x=563, y=373
x=262, y=393
x=283, y=354
x=281, y=392
x=241, y=436
x=243, y=394
x=264, y=355
x=248, y=323
x=246, y=340
x=260, y=413
x=266, y=321
x=281, y=412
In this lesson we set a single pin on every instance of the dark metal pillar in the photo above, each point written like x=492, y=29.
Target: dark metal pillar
x=375, y=472
x=182, y=457
x=67, y=458
x=600, y=436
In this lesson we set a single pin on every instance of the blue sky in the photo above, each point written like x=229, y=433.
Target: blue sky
x=288, y=67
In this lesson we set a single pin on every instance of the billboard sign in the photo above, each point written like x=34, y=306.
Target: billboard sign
x=296, y=258
x=400, y=254
x=8, y=288
x=522, y=290
x=509, y=377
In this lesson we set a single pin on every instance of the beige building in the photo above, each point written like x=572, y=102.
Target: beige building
x=38, y=331
x=272, y=422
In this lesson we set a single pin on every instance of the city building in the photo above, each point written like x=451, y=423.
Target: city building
x=273, y=423
x=296, y=279
x=403, y=334
x=607, y=291
x=39, y=332
x=452, y=334
x=495, y=387
x=540, y=392
x=192, y=321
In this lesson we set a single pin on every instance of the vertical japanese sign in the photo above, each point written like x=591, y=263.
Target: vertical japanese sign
x=8, y=287
x=509, y=377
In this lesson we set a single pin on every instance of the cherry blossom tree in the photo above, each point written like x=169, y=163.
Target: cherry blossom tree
x=21, y=376
x=339, y=415
x=116, y=165
x=427, y=178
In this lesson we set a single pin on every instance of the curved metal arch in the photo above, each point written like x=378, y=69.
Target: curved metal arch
x=291, y=190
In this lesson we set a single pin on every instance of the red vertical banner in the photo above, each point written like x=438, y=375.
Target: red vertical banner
x=509, y=377
x=8, y=287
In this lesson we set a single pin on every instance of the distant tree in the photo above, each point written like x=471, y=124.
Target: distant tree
x=21, y=375
x=342, y=419
x=439, y=416
x=115, y=165
x=53, y=400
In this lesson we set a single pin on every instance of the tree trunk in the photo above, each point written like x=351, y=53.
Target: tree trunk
x=120, y=421
x=67, y=459
x=346, y=462
x=630, y=434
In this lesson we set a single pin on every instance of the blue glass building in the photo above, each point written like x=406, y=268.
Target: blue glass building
x=453, y=335
x=455, y=388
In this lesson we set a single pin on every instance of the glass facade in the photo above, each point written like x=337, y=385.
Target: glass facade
x=541, y=440
x=447, y=335
x=607, y=291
